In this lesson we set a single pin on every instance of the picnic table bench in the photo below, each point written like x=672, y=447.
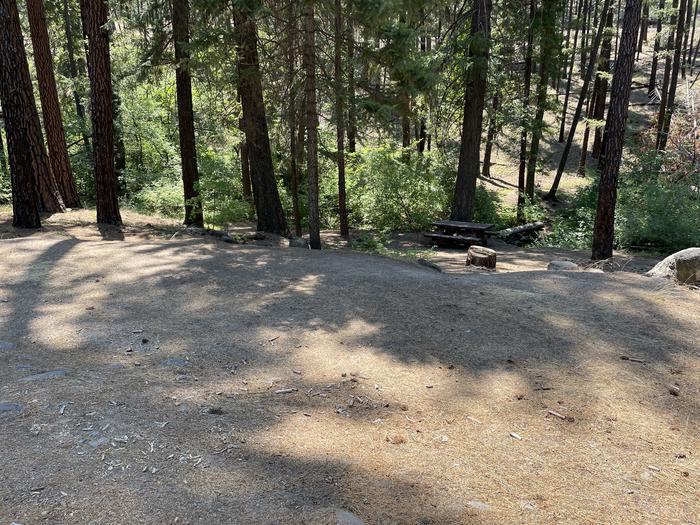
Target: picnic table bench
x=459, y=233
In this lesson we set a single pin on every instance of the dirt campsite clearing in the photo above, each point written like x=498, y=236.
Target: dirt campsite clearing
x=153, y=379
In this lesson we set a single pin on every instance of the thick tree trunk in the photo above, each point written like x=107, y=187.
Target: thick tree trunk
x=472, y=121
x=311, y=124
x=668, y=105
x=592, y=61
x=267, y=201
x=609, y=166
x=95, y=16
x=185, y=114
x=50, y=107
x=526, y=105
x=27, y=159
x=340, y=119
x=73, y=72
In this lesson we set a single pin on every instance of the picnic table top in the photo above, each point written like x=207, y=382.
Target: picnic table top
x=464, y=226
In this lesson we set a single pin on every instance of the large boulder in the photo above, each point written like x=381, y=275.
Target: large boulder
x=682, y=267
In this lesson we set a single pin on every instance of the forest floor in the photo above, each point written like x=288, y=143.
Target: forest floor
x=151, y=379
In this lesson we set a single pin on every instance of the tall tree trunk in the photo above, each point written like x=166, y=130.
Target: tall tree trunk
x=267, y=201
x=3, y=155
x=472, y=120
x=643, y=29
x=668, y=104
x=50, y=107
x=352, y=106
x=686, y=37
x=526, y=105
x=185, y=113
x=311, y=124
x=592, y=61
x=583, y=158
x=668, y=63
x=600, y=88
x=24, y=145
x=291, y=54
x=691, y=54
x=657, y=49
x=570, y=75
x=490, y=137
x=73, y=72
x=609, y=166
x=340, y=119
x=245, y=169
x=548, y=46
x=95, y=15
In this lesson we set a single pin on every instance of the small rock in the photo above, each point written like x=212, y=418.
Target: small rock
x=23, y=367
x=10, y=409
x=53, y=374
x=175, y=361
x=343, y=517
x=674, y=390
x=479, y=505
x=562, y=266
x=96, y=443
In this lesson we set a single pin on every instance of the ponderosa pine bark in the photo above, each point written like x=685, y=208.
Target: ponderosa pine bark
x=3, y=155
x=270, y=215
x=473, y=118
x=50, y=107
x=340, y=118
x=21, y=120
x=609, y=166
x=311, y=124
x=185, y=113
x=95, y=15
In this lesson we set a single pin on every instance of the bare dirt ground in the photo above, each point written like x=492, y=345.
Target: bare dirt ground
x=192, y=381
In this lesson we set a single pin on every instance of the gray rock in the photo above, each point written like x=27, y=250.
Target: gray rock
x=116, y=366
x=96, y=443
x=175, y=362
x=6, y=345
x=682, y=267
x=8, y=409
x=479, y=505
x=53, y=374
x=562, y=266
x=298, y=242
x=343, y=517
x=23, y=367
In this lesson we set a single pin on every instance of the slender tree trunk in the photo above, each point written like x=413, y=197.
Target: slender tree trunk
x=21, y=118
x=311, y=124
x=548, y=46
x=490, y=137
x=592, y=61
x=268, y=206
x=657, y=49
x=691, y=54
x=3, y=155
x=686, y=36
x=245, y=169
x=643, y=29
x=352, y=106
x=526, y=105
x=340, y=119
x=570, y=75
x=291, y=53
x=668, y=63
x=73, y=72
x=609, y=166
x=600, y=88
x=583, y=159
x=668, y=104
x=474, y=98
x=50, y=107
x=185, y=113
x=95, y=16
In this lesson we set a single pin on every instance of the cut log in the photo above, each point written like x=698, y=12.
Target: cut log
x=520, y=230
x=480, y=256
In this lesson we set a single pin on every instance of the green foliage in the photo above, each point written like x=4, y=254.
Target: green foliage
x=654, y=212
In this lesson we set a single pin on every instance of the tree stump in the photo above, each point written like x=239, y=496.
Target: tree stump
x=480, y=256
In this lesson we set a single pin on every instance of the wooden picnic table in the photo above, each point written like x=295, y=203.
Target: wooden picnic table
x=457, y=232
